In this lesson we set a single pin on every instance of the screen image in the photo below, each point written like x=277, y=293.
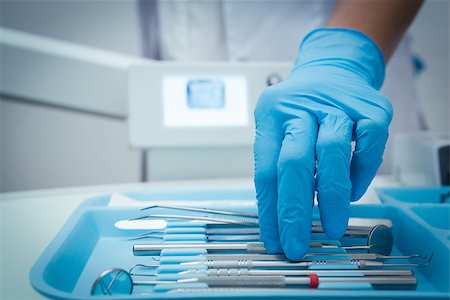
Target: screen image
x=205, y=94
x=205, y=100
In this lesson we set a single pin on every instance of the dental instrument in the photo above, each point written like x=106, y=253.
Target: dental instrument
x=205, y=210
x=290, y=272
x=227, y=264
x=212, y=219
x=355, y=222
x=211, y=238
x=281, y=257
x=253, y=247
x=311, y=281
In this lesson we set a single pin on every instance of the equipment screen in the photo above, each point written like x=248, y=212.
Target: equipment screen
x=205, y=100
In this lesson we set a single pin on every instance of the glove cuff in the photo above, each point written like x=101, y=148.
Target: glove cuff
x=346, y=48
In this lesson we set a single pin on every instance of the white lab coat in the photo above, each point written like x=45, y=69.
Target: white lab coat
x=259, y=31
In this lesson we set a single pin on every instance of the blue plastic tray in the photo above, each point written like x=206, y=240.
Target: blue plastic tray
x=89, y=243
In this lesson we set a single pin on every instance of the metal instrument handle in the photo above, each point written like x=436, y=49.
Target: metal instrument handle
x=218, y=219
x=248, y=256
x=150, y=249
x=290, y=272
x=375, y=280
x=256, y=247
x=228, y=264
x=228, y=272
x=246, y=281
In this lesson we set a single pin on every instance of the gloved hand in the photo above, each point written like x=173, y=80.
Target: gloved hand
x=330, y=98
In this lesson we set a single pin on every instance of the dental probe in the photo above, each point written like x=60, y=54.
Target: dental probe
x=290, y=272
x=311, y=281
x=368, y=256
x=201, y=271
x=176, y=259
x=254, y=247
x=229, y=264
x=212, y=238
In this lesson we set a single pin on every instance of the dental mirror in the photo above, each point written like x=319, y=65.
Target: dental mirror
x=380, y=240
x=113, y=282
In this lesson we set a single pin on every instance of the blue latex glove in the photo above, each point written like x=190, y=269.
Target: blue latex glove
x=330, y=98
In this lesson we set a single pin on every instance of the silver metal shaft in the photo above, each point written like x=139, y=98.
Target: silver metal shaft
x=290, y=272
x=281, y=257
x=250, y=264
x=212, y=238
x=154, y=249
x=206, y=210
x=214, y=219
x=282, y=281
x=256, y=247
x=361, y=223
x=247, y=256
x=255, y=237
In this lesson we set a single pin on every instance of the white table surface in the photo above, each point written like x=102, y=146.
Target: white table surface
x=29, y=221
